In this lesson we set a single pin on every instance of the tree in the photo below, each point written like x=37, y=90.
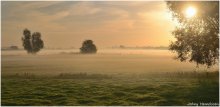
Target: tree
x=37, y=43
x=197, y=38
x=88, y=47
x=33, y=43
x=26, y=40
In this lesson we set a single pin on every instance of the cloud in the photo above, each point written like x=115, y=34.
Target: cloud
x=130, y=23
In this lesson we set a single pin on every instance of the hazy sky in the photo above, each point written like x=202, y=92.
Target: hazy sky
x=68, y=23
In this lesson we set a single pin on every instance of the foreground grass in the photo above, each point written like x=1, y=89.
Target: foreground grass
x=98, y=89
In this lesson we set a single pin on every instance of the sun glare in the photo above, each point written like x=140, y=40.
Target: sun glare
x=190, y=12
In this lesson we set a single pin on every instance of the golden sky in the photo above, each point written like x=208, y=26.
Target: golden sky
x=68, y=23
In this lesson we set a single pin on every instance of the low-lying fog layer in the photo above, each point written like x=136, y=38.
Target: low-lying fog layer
x=100, y=51
x=108, y=61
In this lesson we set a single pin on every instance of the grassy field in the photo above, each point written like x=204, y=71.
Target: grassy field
x=97, y=80
x=94, y=89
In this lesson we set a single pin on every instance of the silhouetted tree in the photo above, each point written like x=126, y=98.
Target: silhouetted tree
x=37, y=42
x=26, y=40
x=197, y=38
x=88, y=47
x=33, y=43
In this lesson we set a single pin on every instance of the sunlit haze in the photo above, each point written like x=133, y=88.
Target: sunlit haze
x=190, y=12
x=66, y=24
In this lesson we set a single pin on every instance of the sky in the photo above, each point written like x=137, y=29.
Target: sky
x=66, y=24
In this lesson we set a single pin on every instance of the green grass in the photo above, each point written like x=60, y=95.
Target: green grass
x=98, y=89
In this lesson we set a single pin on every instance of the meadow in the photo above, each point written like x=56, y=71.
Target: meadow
x=105, y=79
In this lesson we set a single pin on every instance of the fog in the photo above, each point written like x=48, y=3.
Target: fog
x=100, y=51
x=106, y=61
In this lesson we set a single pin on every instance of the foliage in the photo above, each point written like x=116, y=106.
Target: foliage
x=88, y=47
x=33, y=43
x=197, y=38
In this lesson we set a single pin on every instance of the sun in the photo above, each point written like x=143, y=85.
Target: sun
x=190, y=12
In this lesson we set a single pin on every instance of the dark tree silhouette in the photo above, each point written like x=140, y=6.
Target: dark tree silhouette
x=88, y=47
x=33, y=43
x=37, y=42
x=26, y=40
x=197, y=38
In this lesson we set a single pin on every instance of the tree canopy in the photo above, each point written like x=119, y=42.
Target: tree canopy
x=197, y=38
x=88, y=47
x=32, y=44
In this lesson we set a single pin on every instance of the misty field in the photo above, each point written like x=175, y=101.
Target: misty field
x=105, y=79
